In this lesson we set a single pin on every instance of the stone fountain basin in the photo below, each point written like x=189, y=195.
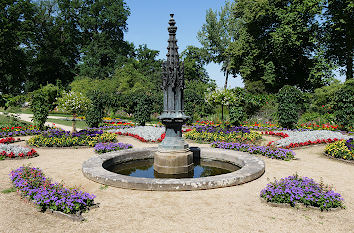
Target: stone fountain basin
x=251, y=168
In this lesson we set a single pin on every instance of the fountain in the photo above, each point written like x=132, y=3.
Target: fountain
x=173, y=166
x=173, y=155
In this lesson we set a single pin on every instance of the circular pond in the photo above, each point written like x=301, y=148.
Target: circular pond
x=241, y=167
x=145, y=168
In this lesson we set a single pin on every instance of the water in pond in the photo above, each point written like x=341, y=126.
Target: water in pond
x=145, y=168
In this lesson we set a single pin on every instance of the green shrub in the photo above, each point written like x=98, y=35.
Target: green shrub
x=289, y=100
x=42, y=102
x=95, y=111
x=322, y=100
x=143, y=109
x=237, y=112
x=344, y=105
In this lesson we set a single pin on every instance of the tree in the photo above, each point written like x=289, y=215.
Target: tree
x=290, y=100
x=197, y=83
x=43, y=101
x=224, y=97
x=276, y=43
x=340, y=33
x=55, y=46
x=95, y=111
x=15, y=31
x=216, y=36
x=74, y=103
x=103, y=23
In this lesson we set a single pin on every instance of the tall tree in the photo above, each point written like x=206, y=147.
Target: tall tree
x=103, y=23
x=15, y=30
x=340, y=33
x=55, y=47
x=216, y=36
x=276, y=43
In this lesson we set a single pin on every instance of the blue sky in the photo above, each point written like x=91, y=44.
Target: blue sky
x=148, y=22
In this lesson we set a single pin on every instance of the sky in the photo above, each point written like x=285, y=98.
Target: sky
x=148, y=22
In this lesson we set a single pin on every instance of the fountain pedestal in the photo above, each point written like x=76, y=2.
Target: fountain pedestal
x=173, y=162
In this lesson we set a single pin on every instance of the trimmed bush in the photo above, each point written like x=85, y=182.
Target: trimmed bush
x=95, y=111
x=42, y=102
x=143, y=109
x=344, y=105
x=289, y=100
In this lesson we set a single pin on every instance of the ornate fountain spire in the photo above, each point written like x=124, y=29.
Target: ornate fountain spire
x=173, y=78
x=173, y=156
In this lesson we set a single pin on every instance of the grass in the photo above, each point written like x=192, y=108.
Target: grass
x=9, y=190
x=79, y=124
x=7, y=121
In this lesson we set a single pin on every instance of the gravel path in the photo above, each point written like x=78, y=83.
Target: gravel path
x=232, y=209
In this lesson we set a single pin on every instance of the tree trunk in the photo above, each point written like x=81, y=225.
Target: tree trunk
x=74, y=123
x=222, y=112
x=349, y=72
x=226, y=79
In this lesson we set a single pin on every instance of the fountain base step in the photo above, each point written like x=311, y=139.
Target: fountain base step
x=173, y=162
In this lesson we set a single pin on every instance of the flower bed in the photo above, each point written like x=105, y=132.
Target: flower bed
x=57, y=138
x=343, y=149
x=22, y=132
x=15, y=151
x=212, y=134
x=142, y=133
x=32, y=183
x=296, y=189
x=270, y=152
x=111, y=146
x=298, y=139
x=9, y=140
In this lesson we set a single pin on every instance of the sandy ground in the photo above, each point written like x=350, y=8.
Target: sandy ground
x=232, y=209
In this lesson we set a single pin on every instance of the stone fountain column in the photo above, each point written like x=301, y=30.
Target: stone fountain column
x=173, y=156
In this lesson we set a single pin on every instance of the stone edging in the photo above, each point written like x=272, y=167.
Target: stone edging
x=74, y=217
x=252, y=168
x=58, y=147
x=298, y=206
x=338, y=159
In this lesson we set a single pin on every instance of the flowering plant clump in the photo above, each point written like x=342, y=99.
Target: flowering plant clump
x=9, y=140
x=270, y=152
x=279, y=134
x=15, y=151
x=314, y=126
x=107, y=121
x=31, y=183
x=297, y=139
x=343, y=149
x=110, y=146
x=59, y=138
x=295, y=189
x=211, y=134
x=210, y=123
x=19, y=131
